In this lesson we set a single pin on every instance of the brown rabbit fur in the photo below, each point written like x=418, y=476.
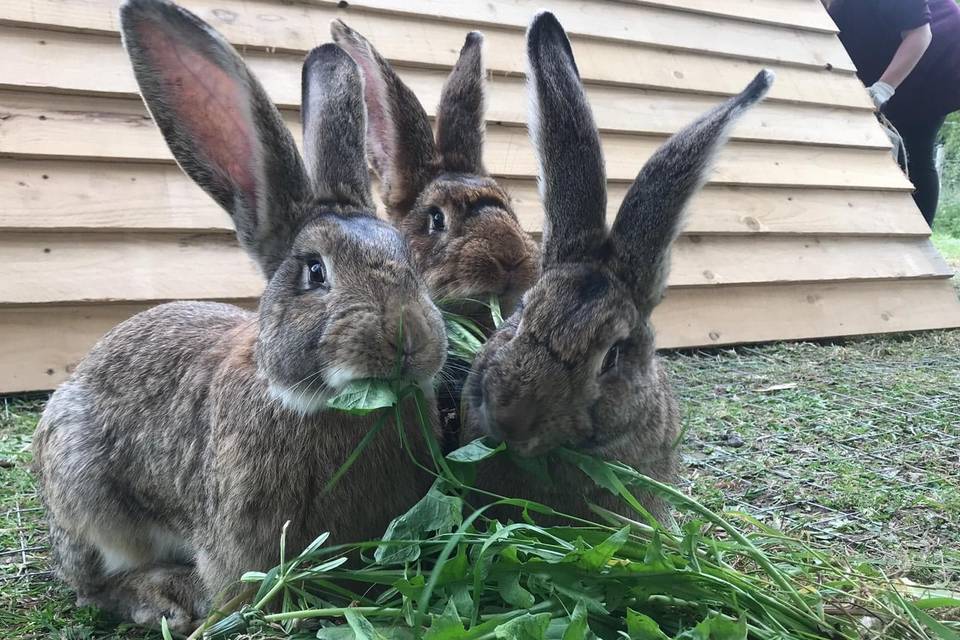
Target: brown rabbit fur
x=574, y=366
x=174, y=454
x=465, y=236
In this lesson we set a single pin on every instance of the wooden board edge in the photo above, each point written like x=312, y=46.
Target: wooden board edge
x=805, y=312
x=826, y=26
x=910, y=306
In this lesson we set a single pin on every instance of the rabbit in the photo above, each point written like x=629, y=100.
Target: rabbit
x=178, y=448
x=574, y=366
x=459, y=222
x=465, y=236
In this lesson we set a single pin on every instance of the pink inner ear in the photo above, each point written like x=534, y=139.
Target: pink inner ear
x=380, y=127
x=211, y=105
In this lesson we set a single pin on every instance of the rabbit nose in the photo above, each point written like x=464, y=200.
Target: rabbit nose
x=400, y=339
x=509, y=264
x=407, y=336
x=514, y=422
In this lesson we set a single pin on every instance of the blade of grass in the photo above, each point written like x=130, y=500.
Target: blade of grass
x=352, y=458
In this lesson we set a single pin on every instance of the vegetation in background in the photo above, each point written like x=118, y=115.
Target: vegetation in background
x=946, y=225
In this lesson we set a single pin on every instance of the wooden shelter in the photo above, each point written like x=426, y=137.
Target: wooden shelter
x=807, y=228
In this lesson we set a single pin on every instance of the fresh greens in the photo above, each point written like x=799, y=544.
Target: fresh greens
x=495, y=311
x=464, y=336
x=361, y=397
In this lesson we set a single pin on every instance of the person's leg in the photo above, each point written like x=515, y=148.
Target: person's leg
x=920, y=140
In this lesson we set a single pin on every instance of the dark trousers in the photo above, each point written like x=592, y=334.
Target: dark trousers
x=920, y=140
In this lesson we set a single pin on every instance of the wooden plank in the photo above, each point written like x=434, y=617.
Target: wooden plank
x=76, y=196
x=802, y=14
x=296, y=28
x=66, y=267
x=122, y=267
x=89, y=63
x=115, y=129
x=731, y=315
x=40, y=345
x=762, y=210
x=651, y=25
x=723, y=260
x=96, y=65
x=72, y=195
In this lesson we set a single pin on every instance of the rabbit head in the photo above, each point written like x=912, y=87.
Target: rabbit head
x=465, y=236
x=343, y=299
x=574, y=365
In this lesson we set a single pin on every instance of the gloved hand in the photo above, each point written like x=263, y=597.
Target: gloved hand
x=880, y=92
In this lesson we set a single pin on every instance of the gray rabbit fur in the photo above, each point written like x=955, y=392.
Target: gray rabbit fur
x=176, y=451
x=575, y=366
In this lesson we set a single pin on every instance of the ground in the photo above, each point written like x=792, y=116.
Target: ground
x=855, y=444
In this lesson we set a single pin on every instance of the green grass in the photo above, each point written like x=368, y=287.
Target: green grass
x=32, y=604
x=948, y=246
x=947, y=239
x=852, y=446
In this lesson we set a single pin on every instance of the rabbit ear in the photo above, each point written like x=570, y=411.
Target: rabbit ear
x=651, y=214
x=460, y=121
x=399, y=138
x=334, y=128
x=222, y=129
x=567, y=144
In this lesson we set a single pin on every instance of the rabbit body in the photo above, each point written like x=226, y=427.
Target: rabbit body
x=575, y=364
x=549, y=399
x=176, y=451
x=166, y=446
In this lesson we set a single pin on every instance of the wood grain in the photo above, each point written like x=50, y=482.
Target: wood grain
x=652, y=25
x=107, y=196
x=121, y=129
x=803, y=14
x=60, y=62
x=61, y=267
x=44, y=343
x=297, y=28
x=694, y=317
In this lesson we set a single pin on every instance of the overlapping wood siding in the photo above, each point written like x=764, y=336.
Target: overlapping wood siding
x=806, y=229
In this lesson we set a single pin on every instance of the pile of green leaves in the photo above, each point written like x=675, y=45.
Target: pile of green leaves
x=448, y=570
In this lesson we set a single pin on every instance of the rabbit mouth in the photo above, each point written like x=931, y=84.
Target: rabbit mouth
x=310, y=395
x=304, y=399
x=530, y=447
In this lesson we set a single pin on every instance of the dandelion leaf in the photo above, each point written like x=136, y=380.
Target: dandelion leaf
x=525, y=627
x=361, y=397
x=435, y=512
x=642, y=627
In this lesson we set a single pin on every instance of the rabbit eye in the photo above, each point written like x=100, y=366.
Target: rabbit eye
x=315, y=274
x=437, y=220
x=612, y=359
